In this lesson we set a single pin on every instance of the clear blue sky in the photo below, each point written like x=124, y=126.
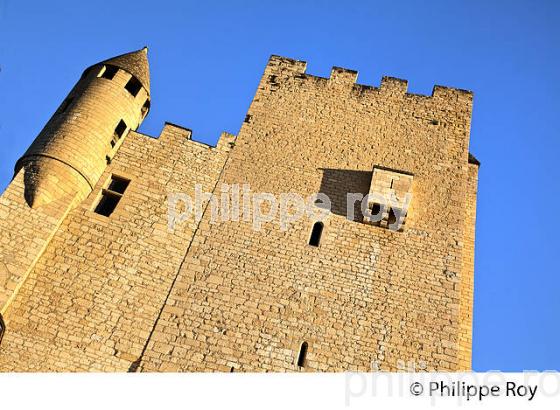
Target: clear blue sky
x=207, y=57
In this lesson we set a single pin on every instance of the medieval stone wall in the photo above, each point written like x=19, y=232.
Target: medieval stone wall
x=91, y=301
x=84, y=292
x=246, y=300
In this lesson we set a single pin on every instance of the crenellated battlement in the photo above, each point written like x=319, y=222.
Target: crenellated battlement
x=177, y=134
x=283, y=67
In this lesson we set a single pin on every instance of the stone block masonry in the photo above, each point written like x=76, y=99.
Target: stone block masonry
x=80, y=291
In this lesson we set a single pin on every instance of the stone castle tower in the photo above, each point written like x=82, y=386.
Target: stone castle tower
x=93, y=278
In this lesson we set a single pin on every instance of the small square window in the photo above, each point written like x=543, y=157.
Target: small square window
x=118, y=184
x=107, y=204
x=108, y=72
x=133, y=86
x=111, y=196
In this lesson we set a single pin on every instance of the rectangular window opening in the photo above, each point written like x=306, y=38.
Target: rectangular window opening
x=107, y=204
x=111, y=196
x=118, y=184
x=108, y=72
x=119, y=132
x=133, y=86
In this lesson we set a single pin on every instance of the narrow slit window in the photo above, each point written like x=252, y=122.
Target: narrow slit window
x=376, y=213
x=2, y=327
x=108, y=72
x=133, y=86
x=119, y=132
x=392, y=217
x=111, y=196
x=146, y=108
x=316, y=233
x=395, y=223
x=302, y=355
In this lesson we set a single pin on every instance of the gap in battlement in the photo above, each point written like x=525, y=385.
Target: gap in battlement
x=318, y=70
x=198, y=139
x=420, y=88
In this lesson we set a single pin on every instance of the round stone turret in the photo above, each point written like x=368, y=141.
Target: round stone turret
x=71, y=152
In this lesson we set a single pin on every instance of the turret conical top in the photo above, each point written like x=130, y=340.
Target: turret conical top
x=136, y=63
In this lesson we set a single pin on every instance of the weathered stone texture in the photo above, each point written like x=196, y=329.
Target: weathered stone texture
x=125, y=292
x=92, y=299
x=247, y=299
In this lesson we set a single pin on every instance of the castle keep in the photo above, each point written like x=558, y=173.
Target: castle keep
x=93, y=279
